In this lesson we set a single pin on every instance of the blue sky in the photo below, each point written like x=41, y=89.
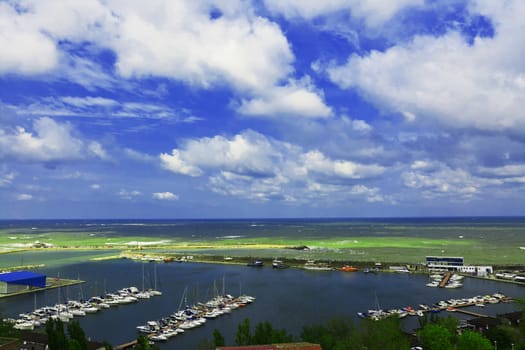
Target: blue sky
x=275, y=108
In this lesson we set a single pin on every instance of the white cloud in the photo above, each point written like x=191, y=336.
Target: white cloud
x=18, y=42
x=174, y=162
x=246, y=153
x=95, y=187
x=95, y=106
x=165, y=196
x=88, y=101
x=373, y=12
x=316, y=162
x=51, y=141
x=177, y=40
x=6, y=178
x=445, y=78
x=252, y=166
x=24, y=197
x=361, y=126
x=505, y=171
x=290, y=100
x=436, y=179
x=129, y=195
x=96, y=149
x=181, y=41
x=29, y=33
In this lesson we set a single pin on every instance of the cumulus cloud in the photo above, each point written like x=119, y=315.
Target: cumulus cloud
x=290, y=100
x=316, y=162
x=461, y=84
x=49, y=141
x=253, y=166
x=179, y=40
x=436, y=180
x=246, y=153
x=16, y=38
x=373, y=12
x=31, y=30
x=165, y=196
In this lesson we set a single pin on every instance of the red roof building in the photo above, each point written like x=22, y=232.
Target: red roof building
x=286, y=346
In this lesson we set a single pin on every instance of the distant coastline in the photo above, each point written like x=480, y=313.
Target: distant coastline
x=491, y=240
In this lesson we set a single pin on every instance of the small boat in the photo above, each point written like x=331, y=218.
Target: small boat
x=256, y=263
x=312, y=265
x=348, y=268
x=278, y=264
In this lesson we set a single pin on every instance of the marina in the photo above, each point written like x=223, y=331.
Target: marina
x=299, y=297
x=288, y=295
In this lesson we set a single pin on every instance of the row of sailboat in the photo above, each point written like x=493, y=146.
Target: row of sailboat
x=77, y=308
x=448, y=305
x=192, y=316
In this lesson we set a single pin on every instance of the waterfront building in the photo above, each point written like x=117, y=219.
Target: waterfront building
x=480, y=271
x=449, y=263
x=13, y=282
x=457, y=264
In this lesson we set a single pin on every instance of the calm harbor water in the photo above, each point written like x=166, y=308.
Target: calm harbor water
x=288, y=298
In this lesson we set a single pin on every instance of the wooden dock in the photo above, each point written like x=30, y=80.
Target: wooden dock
x=445, y=279
x=127, y=345
x=470, y=313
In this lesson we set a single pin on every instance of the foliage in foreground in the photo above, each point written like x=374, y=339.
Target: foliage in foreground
x=436, y=333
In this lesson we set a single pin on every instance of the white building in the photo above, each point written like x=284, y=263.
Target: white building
x=481, y=271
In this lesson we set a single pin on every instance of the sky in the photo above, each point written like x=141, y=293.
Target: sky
x=252, y=109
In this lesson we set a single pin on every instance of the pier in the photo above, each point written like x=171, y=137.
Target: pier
x=127, y=345
x=452, y=305
x=445, y=279
x=470, y=313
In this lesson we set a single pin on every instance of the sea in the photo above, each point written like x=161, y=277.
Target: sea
x=289, y=299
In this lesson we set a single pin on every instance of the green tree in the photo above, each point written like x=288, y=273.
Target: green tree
x=469, y=340
x=7, y=329
x=243, y=336
x=504, y=335
x=384, y=334
x=56, y=337
x=319, y=334
x=218, y=339
x=435, y=337
x=77, y=336
x=338, y=334
x=143, y=344
x=266, y=334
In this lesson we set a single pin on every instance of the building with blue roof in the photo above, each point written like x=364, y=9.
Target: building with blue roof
x=17, y=281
